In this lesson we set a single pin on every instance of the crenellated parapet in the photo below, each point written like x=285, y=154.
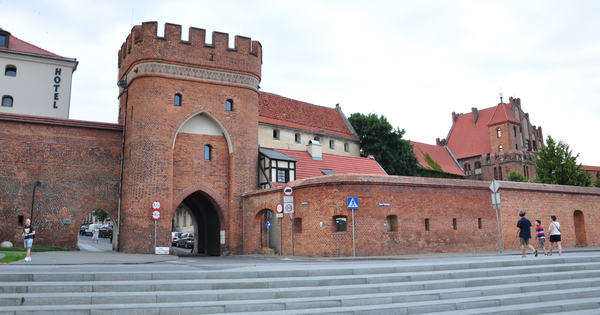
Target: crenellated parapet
x=218, y=61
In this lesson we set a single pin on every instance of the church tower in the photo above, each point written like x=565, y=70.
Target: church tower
x=190, y=114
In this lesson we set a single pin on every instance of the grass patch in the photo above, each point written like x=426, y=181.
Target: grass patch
x=37, y=249
x=10, y=257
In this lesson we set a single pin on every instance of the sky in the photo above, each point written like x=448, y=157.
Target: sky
x=414, y=62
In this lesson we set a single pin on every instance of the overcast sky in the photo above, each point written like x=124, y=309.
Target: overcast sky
x=414, y=62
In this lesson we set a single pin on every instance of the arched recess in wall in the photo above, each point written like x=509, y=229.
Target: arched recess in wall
x=203, y=123
x=266, y=237
x=579, y=225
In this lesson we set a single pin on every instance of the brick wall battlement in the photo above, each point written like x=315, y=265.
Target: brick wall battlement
x=144, y=45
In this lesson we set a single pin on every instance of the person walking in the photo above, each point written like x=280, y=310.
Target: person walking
x=555, y=234
x=524, y=234
x=541, y=236
x=95, y=236
x=28, y=236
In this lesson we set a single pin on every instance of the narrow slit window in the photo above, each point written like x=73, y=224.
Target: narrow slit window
x=426, y=224
x=207, y=152
x=479, y=224
x=454, y=224
x=177, y=100
x=229, y=105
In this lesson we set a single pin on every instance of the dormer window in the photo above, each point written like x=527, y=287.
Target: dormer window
x=4, y=38
x=10, y=71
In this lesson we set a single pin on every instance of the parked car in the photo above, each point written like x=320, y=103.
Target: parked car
x=186, y=240
x=82, y=229
x=175, y=238
x=105, y=231
x=90, y=229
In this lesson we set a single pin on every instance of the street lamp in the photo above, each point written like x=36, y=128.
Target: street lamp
x=37, y=184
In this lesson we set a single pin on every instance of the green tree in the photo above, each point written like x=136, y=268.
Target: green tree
x=516, y=176
x=557, y=165
x=597, y=182
x=379, y=139
x=100, y=215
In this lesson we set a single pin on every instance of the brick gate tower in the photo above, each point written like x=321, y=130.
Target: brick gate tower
x=190, y=113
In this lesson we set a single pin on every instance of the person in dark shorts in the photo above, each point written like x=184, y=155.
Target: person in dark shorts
x=541, y=236
x=524, y=234
x=28, y=235
x=555, y=234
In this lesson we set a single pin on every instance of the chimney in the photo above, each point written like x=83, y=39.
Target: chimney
x=454, y=117
x=314, y=149
x=475, y=115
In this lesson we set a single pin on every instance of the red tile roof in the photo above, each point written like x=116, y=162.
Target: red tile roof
x=502, y=114
x=438, y=154
x=306, y=167
x=589, y=168
x=468, y=140
x=282, y=111
x=20, y=46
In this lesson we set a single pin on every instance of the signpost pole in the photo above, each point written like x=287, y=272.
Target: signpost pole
x=292, y=232
x=154, y=233
x=499, y=233
x=280, y=235
x=496, y=204
x=353, y=237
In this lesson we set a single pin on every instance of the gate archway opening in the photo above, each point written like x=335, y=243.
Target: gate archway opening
x=206, y=224
x=102, y=220
x=267, y=230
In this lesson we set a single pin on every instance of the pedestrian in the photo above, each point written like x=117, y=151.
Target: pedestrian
x=111, y=232
x=541, y=237
x=28, y=236
x=555, y=234
x=524, y=234
x=95, y=236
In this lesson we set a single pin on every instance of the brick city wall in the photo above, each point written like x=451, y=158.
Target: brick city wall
x=78, y=164
x=459, y=213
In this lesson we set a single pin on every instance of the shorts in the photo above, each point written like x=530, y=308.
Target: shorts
x=523, y=241
x=554, y=238
x=542, y=241
x=28, y=242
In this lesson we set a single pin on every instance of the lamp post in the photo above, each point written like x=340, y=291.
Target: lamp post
x=37, y=184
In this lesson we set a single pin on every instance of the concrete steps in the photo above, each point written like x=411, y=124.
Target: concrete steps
x=533, y=286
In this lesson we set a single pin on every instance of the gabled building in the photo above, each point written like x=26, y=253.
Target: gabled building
x=436, y=161
x=488, y=143
x=29, y=68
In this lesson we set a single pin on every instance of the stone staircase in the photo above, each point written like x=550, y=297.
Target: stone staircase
x=540, y=285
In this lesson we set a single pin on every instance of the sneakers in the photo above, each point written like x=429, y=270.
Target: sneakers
x=27, y=258
x=535, y=253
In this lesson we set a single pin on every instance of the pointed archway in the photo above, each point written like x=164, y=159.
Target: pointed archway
x=579, y=225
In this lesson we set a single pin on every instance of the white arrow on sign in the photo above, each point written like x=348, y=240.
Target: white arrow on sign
x=495, y=185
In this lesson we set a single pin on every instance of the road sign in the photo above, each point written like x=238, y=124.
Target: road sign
x=496, y=198
x=288, y=190
x=279, y=208
x=268, y=225
x=495, y=185
x=352, y=203
x=155, y=214
x=288, y=208
x=156, y=205
x=278, y=215
x=288, y=199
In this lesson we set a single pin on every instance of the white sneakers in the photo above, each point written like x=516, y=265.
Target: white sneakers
x=27, y=258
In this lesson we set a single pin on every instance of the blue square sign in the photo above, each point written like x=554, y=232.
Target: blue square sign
x=352, y=202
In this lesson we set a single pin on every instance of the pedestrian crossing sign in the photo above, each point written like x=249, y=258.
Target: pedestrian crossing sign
x=352, y=203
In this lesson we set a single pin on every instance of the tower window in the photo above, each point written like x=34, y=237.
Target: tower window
x=346, y=147
x=332, y=144
x=477, y=165
x=207, y=152
x=229, y=105
x=499, y=132
x=10, y=71
x=515, y=130
x=177, y=100
x=500, y=172
x=7, y=101
x=500, y=148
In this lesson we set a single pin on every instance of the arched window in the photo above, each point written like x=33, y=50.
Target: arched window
x=477, y=165
x=499, y=132
x=500, y=148
x=229, y=105
x=515, y=130
x=339, y=223
x=177, y=100
x=10, y=71
x=207, y=152
x=7, y=101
